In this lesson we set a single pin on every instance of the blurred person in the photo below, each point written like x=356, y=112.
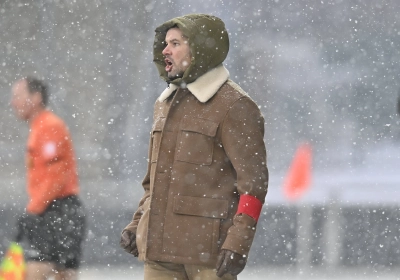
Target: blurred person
x=54, y=221
x=207, y=176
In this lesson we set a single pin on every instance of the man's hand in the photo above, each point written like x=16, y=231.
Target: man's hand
x=230, y=262
x=128, y=242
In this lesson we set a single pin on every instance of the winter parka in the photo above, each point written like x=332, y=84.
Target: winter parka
x=206, y=151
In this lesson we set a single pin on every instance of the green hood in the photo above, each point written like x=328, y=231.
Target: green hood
x=209, y=45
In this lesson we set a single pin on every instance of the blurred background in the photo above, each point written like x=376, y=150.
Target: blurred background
x=322, y=72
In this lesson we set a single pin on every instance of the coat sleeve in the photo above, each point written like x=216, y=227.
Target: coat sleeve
x=132, y=226
x=243, y=141
x=146, y=186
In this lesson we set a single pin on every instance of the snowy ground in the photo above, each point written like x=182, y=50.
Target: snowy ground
x=281, y=273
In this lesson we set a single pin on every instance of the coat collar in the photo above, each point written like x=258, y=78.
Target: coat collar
x=204, y=87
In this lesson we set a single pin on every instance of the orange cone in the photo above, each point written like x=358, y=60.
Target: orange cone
x=298, y=179
x=12, y=266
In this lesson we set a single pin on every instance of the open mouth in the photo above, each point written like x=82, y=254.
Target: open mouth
x=168, y=65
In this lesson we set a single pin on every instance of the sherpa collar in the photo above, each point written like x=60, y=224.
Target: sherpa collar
x=204, y=87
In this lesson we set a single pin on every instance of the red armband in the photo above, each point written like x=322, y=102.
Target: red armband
x=249, y=205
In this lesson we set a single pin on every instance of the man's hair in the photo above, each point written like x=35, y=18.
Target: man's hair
x=36, y=85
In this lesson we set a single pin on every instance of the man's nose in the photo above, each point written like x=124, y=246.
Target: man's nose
x=166, y=50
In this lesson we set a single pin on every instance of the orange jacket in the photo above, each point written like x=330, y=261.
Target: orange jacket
x=50, y=162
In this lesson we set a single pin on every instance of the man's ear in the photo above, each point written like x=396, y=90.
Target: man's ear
x=37, y=99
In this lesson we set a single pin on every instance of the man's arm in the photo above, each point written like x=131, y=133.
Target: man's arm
x=128, y=235
x=243, y=141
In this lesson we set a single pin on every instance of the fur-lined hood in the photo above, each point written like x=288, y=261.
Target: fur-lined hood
x=209, y=45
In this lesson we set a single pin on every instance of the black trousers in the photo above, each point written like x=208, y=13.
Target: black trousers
x=56, y=235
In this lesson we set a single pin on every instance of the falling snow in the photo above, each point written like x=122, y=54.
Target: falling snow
x=324, y=72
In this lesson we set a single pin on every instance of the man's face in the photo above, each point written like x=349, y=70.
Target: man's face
x=177, y=53
x=21, y=100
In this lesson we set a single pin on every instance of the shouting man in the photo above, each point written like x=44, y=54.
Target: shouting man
x=207, y=176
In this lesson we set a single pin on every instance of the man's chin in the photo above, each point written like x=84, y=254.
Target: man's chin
x=172, y=76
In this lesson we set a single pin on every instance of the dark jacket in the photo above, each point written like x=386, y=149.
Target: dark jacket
x=206, y=149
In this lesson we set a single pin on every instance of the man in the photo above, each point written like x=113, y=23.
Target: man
x=207, y=176
x=54, y=222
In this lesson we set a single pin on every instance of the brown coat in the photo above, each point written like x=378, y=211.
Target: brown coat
x=206, y=149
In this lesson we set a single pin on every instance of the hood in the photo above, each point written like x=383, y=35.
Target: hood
x=209, y=45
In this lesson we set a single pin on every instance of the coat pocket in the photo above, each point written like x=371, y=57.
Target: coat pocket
x=193, y=229
x=201, y=206
x=156, y=131
x=196, y=140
